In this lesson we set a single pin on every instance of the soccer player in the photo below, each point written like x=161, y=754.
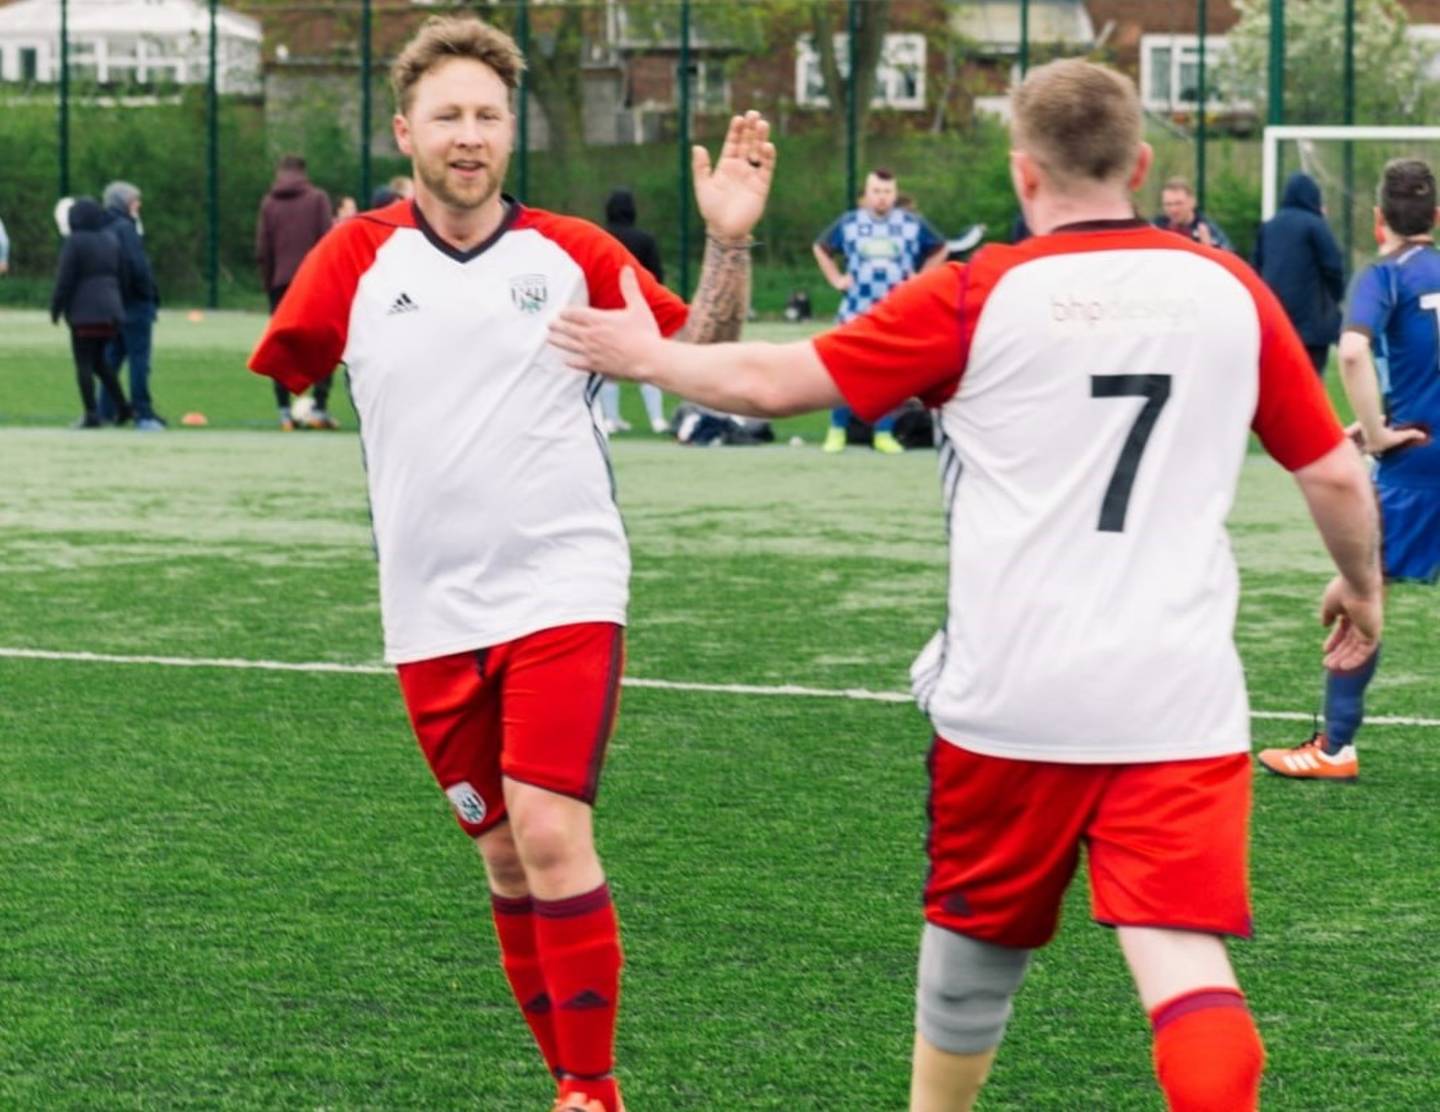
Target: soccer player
x=883, y=244
x=1394, y=311
x=1096, y=388
x=503, y=563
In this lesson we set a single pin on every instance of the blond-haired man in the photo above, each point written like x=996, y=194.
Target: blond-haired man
x=1096, y=387
x=503, y=563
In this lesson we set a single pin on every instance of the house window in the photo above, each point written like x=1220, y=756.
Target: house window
x=1170, y=71
x=899, y=78
x=710, y=91
x=29, y=63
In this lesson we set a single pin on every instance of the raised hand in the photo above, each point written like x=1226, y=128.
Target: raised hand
x=732, y=193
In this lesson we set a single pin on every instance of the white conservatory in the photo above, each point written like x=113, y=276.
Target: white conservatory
x=129, y=42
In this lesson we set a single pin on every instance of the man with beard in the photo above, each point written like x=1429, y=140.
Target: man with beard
x=503, y=562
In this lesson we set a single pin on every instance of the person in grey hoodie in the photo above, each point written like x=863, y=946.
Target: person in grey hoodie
x=87, y=294
x=1298, y=258
x=294, y=217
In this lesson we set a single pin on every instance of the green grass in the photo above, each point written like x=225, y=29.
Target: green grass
x=240, y=890
x=199, y=366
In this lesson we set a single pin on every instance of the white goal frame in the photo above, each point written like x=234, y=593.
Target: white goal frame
x=1277, y=133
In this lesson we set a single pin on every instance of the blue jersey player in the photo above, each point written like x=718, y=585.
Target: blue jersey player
x=1390, y=366
x=883, y=244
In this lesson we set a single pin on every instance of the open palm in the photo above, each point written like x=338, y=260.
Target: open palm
x=732, y=193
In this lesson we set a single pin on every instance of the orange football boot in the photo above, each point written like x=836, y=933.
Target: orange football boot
x=1309, y=761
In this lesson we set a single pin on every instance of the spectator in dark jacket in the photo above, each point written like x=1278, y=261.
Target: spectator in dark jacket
x=142, y=302
x=1180, y=215
x=1299, y=259
x=87, y=294
x=620, y=222
x=294, y=216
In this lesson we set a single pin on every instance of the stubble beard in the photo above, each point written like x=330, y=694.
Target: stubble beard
x=480, y=194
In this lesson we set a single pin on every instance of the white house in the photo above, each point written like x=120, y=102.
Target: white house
x=129, y=42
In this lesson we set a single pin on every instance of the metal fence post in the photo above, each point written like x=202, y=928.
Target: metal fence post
x=212, y=170
x=522, y=106
x=683, y=77
x=1275, y=86
x=1347, y=219
x=64, y=119
x=1200, y=91
x=852, y=105
x=1024, y=38
x=366, y=106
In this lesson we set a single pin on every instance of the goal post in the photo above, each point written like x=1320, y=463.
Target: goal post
x=1276, y=134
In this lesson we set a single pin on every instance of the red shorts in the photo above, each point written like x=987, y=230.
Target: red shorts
x=539, y=709
x=1168, y=844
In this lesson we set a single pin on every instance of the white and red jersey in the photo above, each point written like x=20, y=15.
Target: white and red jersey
x=1096, y=389
x=490, y=486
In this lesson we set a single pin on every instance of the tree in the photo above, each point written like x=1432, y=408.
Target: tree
x=1389, y=65
x=553, y=72
x=874, y=20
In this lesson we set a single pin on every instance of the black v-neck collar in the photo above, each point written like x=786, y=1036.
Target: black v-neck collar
x=512, y=213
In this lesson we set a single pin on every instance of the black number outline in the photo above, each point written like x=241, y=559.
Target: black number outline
x=1155, y=389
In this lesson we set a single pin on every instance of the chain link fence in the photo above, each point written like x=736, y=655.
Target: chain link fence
x=194, y=102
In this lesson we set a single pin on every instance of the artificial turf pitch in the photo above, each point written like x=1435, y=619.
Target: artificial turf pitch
x=236, y=888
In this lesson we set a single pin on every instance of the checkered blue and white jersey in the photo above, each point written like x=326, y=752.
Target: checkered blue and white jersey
x=880, y=253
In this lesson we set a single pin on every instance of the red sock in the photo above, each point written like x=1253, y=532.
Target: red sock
x=1208, y=1054
x=520, y=958
x=579, y=943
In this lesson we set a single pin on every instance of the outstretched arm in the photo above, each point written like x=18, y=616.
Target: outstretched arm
x=754, y=379
x=732, y=199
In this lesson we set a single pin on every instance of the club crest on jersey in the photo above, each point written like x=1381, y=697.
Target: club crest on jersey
x=467, y=803
x=529, y=292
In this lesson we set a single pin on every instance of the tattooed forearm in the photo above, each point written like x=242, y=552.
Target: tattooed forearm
x=722, y=298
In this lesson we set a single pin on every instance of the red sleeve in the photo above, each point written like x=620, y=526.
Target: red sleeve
x=913, y=343
x=307, y=334
x=601, y=256
x=1293, y=417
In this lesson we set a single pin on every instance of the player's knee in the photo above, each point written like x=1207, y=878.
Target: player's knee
x=502, y=859
x=549, y=837
x=966, y=989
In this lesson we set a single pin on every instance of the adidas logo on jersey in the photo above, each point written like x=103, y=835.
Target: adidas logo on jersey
x=402, y=304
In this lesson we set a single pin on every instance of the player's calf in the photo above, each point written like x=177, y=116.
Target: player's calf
x=1208, y=1053
x=963, y=1003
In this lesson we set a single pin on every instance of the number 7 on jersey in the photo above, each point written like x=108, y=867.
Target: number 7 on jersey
x=1155, y=389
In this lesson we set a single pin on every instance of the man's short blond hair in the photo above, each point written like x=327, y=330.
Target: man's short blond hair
x=1080, y=121
x=442, y=38
x=1178, y=185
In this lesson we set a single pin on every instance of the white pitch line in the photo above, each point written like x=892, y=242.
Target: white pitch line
x=858, y=694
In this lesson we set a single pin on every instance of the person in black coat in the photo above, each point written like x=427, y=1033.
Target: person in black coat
x=87, y=294
x=142, y=302
x=1298, y=258
x=620, y=223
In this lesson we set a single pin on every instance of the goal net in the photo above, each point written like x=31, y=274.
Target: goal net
x=1346, y=162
